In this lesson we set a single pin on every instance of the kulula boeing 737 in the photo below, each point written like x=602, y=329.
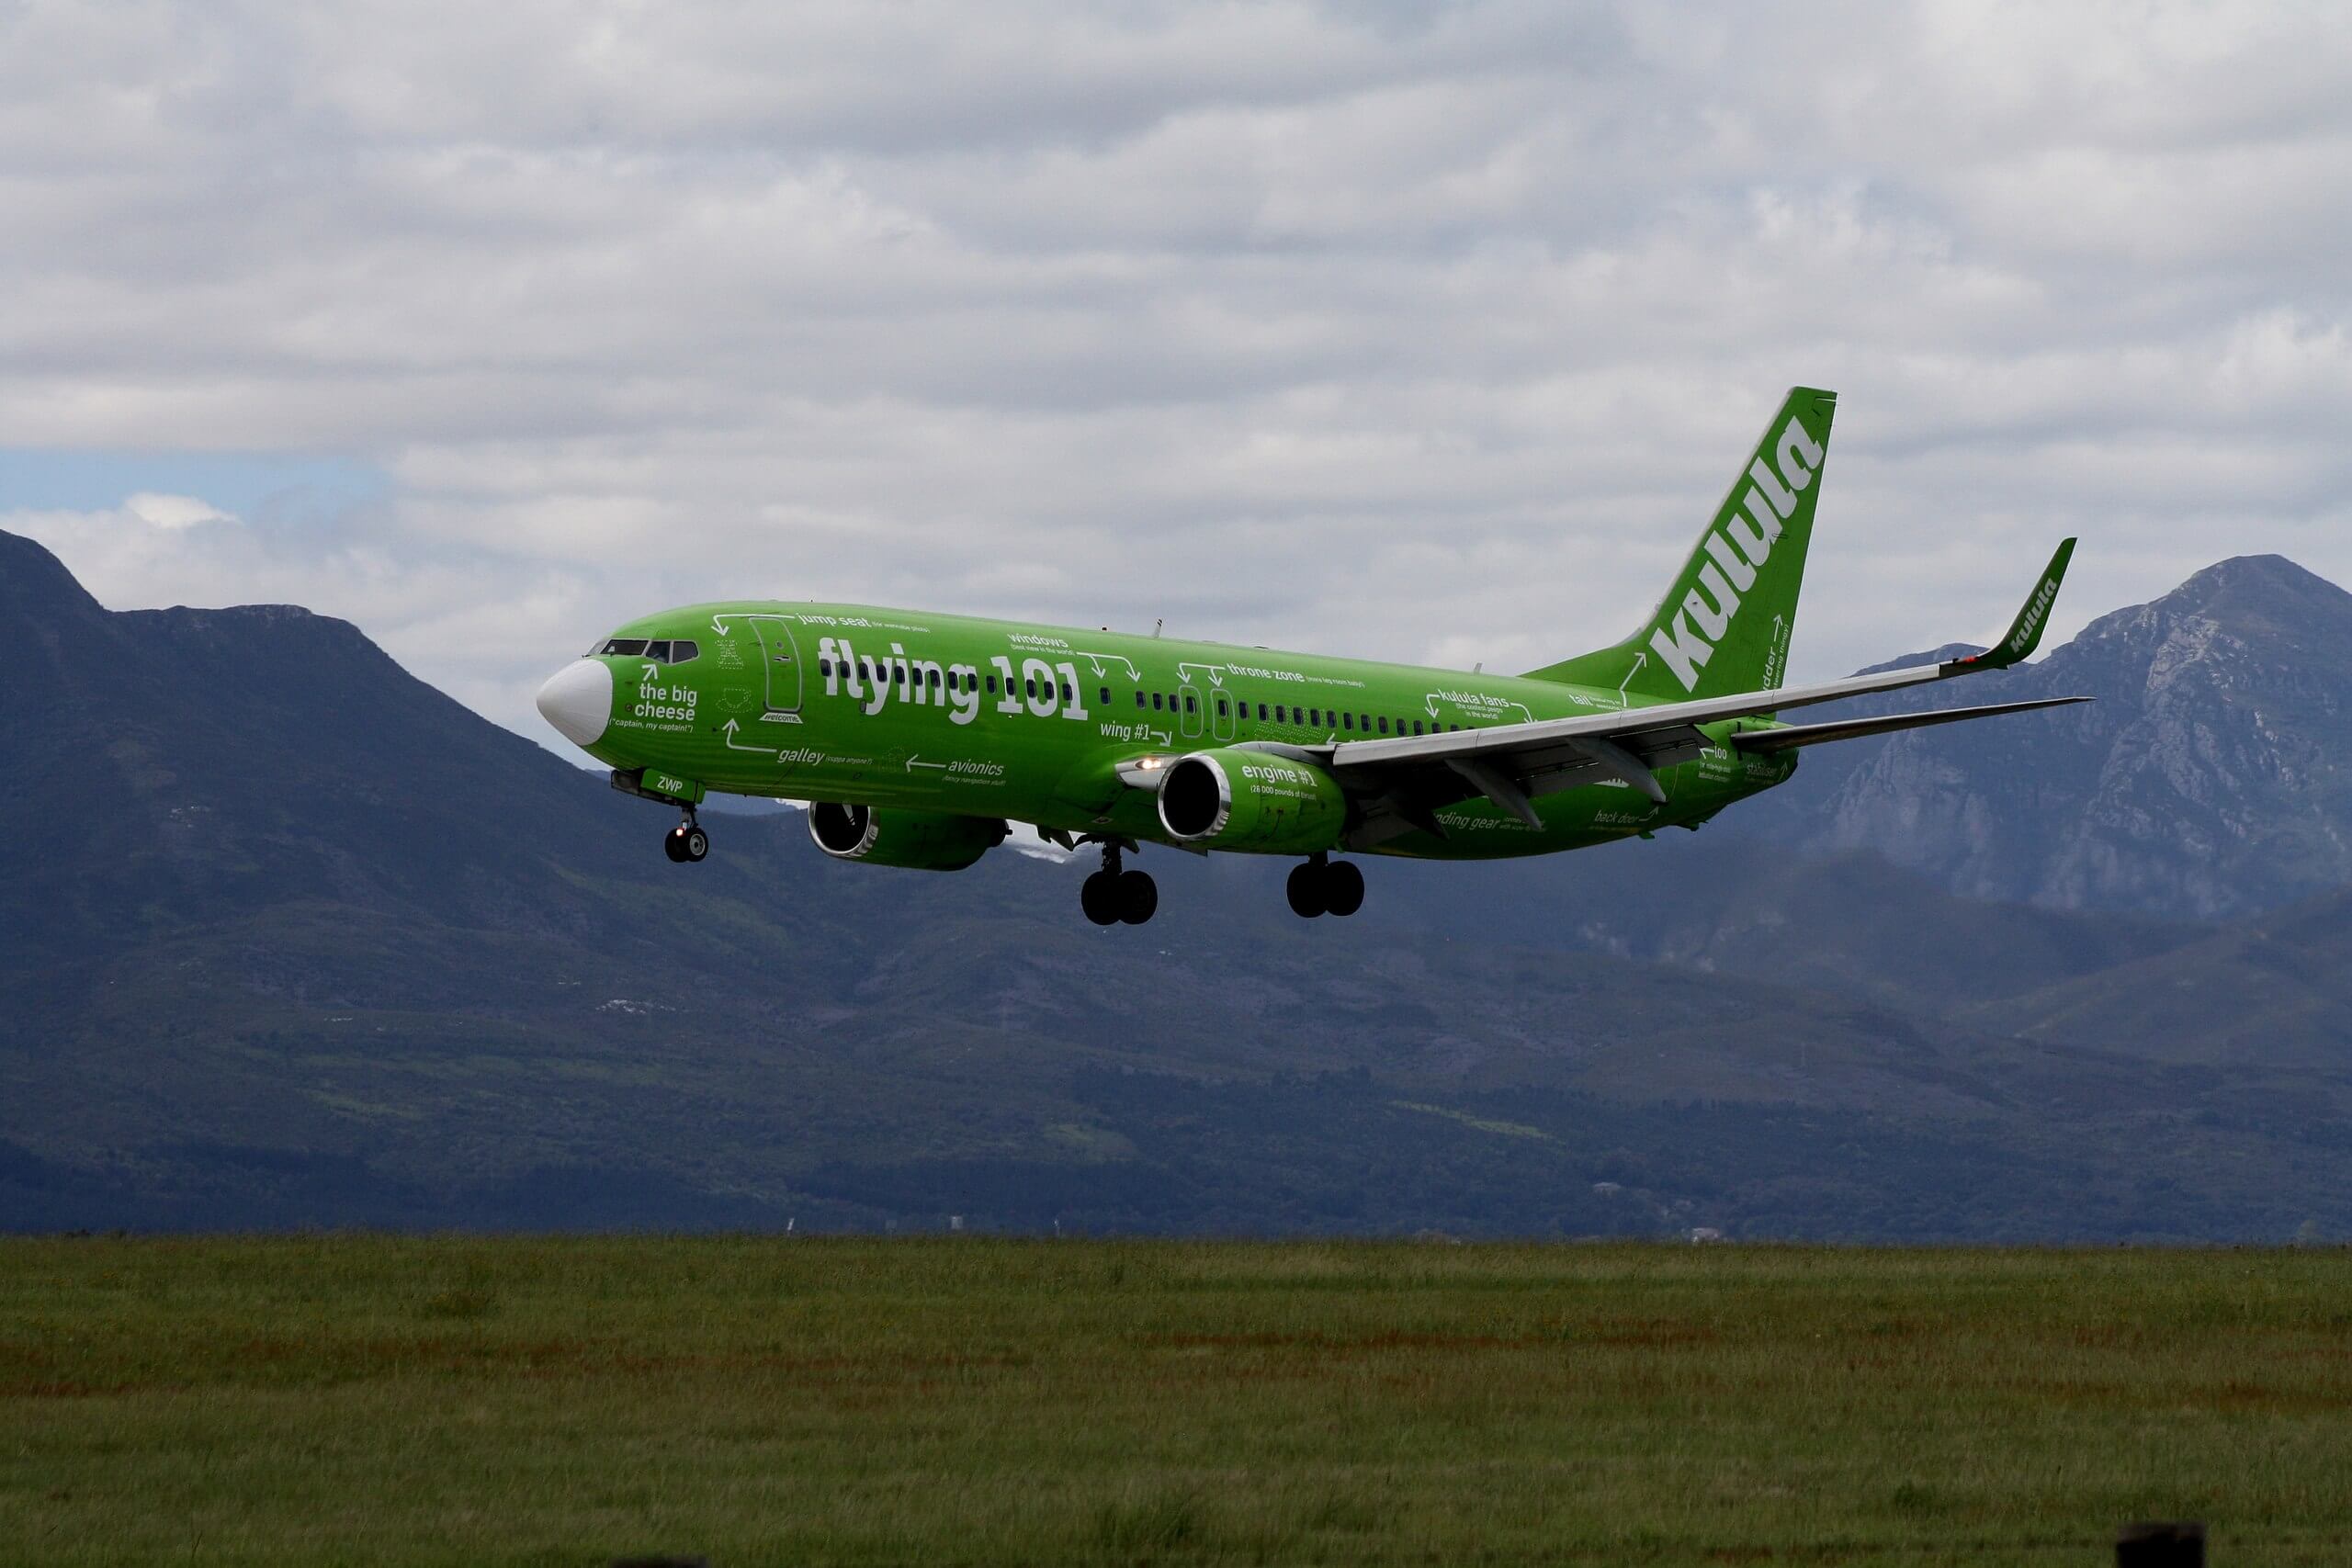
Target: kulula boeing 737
x=921, y=737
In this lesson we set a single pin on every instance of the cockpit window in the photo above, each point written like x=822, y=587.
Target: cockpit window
x=658, y=651
x=683, y=650
x=626, y=648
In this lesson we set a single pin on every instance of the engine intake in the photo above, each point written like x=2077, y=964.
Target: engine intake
x=1252, y=800
x=917, y=840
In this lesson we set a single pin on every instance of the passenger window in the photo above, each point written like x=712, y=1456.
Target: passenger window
x=1262, y=713
x=899, y=674
x=1363, y=722
x=1221, y=709
x=1383, y=725
x=1107, y=696
x=1192, y=704
x=991, y=685
x=1031, y=683
x=1155, y=701
x=1416, y=726
x=825, y=668
x=1347, y=721
x=1138, y=699
x=683, y=650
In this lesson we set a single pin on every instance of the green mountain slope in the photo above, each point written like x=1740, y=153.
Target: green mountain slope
x=2271, y=994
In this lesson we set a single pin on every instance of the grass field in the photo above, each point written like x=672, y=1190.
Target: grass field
x=356, y=1399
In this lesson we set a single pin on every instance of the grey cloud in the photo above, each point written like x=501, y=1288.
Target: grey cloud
x=1407, y=332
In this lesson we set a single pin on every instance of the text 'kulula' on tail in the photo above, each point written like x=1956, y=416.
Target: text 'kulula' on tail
x=1724, y=626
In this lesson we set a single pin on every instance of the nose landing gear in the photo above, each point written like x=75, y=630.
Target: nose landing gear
x=1111, y=895
x=1325, y=887
x=686, y=842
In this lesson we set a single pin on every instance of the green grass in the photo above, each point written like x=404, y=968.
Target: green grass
x=360, y=1399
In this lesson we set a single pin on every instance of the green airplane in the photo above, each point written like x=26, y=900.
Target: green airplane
x=919, y=739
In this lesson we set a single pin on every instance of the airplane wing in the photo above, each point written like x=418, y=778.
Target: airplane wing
x=1788, y=737
x=1402, y=781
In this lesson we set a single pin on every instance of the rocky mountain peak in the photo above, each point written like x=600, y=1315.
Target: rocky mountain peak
x=2263, y=606
x=2211, y=777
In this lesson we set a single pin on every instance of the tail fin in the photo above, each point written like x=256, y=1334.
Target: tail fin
x=1724, y=624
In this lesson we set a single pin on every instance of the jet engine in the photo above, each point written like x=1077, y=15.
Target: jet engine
x=919, y=840
x=1230, y=798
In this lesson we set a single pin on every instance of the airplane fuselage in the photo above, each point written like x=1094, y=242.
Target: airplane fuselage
x=1034, y=724
x=922, y=740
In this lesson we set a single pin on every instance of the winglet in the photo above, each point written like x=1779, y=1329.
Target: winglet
x=2025, y=632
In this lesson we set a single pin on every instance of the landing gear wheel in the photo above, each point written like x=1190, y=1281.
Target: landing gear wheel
x=1098, y=896
x=674, y=844
x=1306, y=890
x=1138, y=896
x=686, y=842
x=697, y=844
x=1342, y=889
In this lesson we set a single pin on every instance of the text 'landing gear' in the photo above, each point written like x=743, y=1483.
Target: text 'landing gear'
x=1325, y=887
x=1111, y=895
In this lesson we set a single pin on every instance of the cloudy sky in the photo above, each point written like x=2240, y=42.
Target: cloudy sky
x=1420, y=332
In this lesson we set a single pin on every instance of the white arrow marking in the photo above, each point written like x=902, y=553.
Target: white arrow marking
x=1215, y=679
x=914, y=763
x=1640, y=658
x=1097, y=659
x=651, y=672
x=728, y=730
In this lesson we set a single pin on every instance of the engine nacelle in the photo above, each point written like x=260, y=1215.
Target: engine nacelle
x=919, y=841
x=1251, y=800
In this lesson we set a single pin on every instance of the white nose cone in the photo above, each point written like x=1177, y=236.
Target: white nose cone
x=579, y=700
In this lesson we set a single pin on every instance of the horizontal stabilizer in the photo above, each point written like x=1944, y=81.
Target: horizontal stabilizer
x=1790, y=736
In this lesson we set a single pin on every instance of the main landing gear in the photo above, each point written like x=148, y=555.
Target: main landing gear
x=1325, y=887
x=687, y=842
x=1111, y=895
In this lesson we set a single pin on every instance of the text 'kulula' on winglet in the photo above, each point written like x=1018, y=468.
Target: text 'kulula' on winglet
x=2025, y=632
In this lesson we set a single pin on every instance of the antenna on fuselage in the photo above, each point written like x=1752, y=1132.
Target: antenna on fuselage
x=1157, y=624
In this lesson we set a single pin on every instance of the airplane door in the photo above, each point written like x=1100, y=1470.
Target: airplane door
x=1221, y=715
x=1192, y=714
x=780, y=658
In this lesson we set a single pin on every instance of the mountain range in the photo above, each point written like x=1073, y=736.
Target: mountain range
x=2208, y=780
x=295, y=938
